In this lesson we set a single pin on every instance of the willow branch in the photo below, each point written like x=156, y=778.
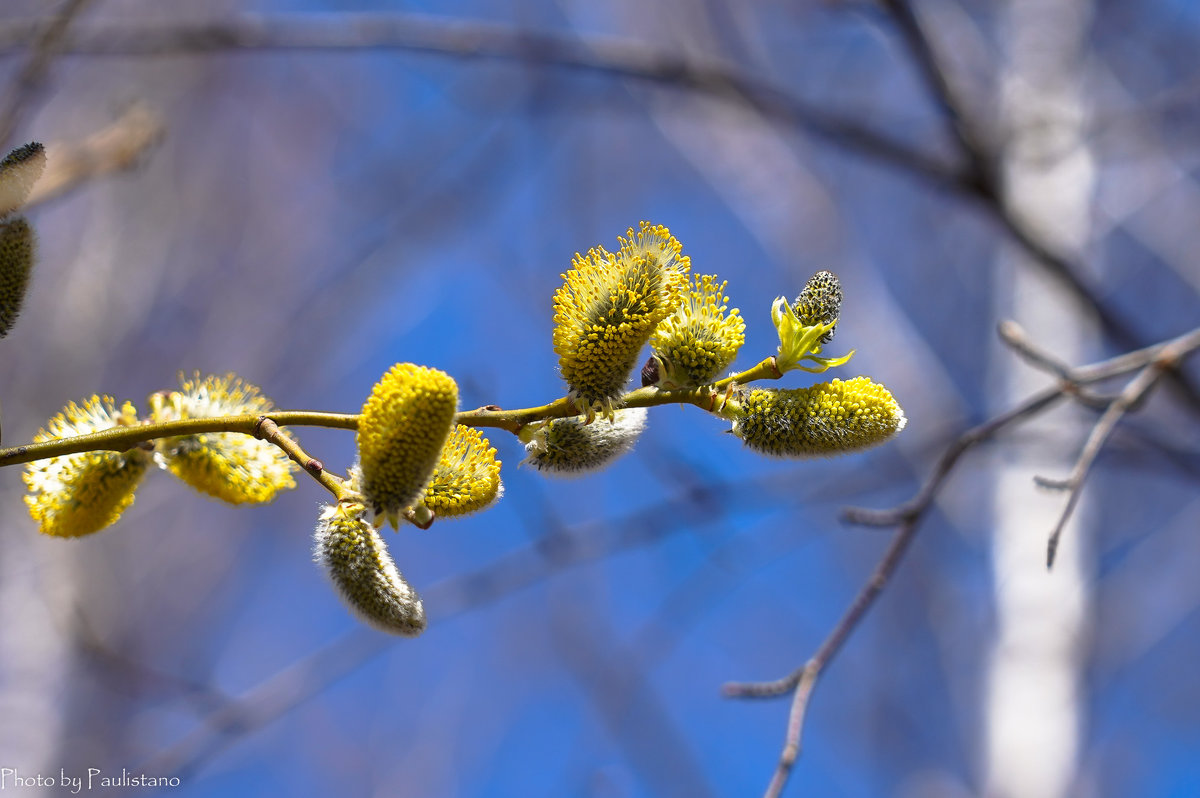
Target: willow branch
x=803, y=681
x=266, y=429
x=120, y=439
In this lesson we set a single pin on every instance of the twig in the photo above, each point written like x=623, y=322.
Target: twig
x=804, y=680
x=914, y=509
x=114, y=148
x=1134, y=393
x=269, y=431
x=1020, y=342
x=907, y=516
x=47, y=43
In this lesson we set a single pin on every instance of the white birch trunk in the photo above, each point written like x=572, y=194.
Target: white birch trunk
x=1033, y=714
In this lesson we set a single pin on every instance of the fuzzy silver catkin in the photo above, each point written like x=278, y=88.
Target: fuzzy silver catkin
x=362, y=570
x=17, y=245
x=19, y=170
x=571, y=447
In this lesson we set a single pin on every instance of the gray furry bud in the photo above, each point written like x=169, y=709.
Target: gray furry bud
x=820, y=302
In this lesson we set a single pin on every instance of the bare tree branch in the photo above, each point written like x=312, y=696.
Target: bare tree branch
x=979, y=153
x=46, y=42
x=1135, y=392
x=114, y=148
x=907, y=516
x=982, y=178
x=470, y=39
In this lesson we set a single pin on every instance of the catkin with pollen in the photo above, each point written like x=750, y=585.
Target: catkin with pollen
x=829, y=418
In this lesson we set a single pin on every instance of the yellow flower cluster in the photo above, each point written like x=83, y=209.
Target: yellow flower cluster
x=698, y=341
x=827, y=419
x=467, y=476
x=363, y=572
x=79, y=494
x=230, y=466
x=403, y=428
x=608, y=307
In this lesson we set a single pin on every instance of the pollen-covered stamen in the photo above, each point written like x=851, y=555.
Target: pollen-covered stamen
x=573, y=446
x=827, y=419
x=467, y=476
x=404, y=425
x=229, y=466
x=607, y=309
x=357, y=561
x=655, y=244
x=699, y=340
x=82, y=493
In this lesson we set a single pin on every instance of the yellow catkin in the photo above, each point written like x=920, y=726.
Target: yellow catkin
x=467, y=476
x=79, y=494
x=609, y=305
x=230, y=466
x=829, y=418
x=404, y=425
x=699, y=340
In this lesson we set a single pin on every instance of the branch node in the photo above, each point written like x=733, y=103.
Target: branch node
x=260, y=430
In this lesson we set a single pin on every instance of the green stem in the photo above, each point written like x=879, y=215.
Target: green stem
x=120, y=439
x=269, y=431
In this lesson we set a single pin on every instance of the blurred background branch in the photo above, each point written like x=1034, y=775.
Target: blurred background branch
x=971, y=172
